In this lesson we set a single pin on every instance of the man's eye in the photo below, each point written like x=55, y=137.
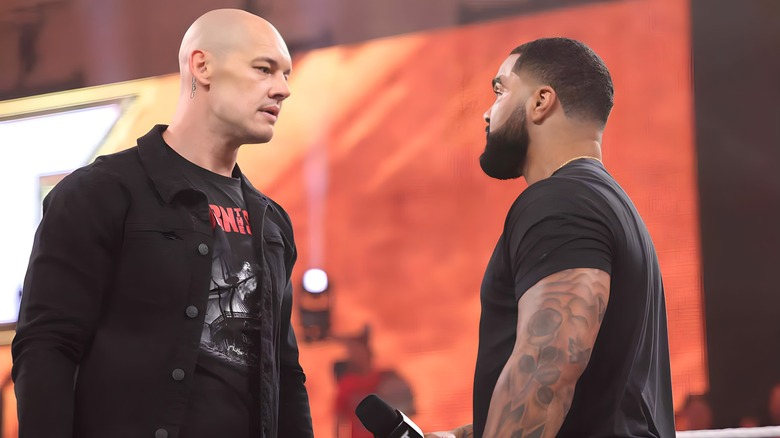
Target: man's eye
x=263, y=69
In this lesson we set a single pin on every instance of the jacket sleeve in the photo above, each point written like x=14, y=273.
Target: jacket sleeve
x=70, y=267
x=294, y=411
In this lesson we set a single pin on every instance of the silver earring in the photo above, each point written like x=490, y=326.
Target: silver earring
x=192, y=92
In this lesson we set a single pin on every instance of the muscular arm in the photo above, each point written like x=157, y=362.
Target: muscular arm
x=558, y=320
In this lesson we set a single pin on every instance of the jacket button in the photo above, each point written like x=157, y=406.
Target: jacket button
x=161, y=433
x=178, y=375
x=191, y=312
x=203, y=249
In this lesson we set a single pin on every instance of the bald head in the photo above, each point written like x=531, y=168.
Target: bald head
x=223, y=31
x=234, y=72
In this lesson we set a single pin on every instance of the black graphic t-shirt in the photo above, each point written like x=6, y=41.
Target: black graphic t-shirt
x=581, y=218
x=222, y=403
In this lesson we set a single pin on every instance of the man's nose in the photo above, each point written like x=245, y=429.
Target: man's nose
x=281, y=89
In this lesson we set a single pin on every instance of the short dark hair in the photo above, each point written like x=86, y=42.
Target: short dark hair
x=576, y=73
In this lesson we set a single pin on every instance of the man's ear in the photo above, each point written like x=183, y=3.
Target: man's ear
x=200, y=67
x=543, y=100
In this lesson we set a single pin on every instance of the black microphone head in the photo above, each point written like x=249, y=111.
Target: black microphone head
x=377, y=416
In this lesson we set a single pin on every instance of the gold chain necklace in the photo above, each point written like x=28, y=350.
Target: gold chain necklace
x=577, y=158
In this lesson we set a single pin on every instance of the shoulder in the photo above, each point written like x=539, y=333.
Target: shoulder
x=282, y=220
x=103, y=178
x=556, y=196
x=279, y=216
x=561, y=207
x=105, y=172
x=276, y=213
x=279, y=212
x=95, y=196
x=117, y=164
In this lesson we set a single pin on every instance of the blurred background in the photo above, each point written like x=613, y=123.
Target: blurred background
x=376, y=159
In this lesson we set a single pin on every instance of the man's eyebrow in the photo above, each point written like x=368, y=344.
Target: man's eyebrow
x=274, y=63
x=497, y=81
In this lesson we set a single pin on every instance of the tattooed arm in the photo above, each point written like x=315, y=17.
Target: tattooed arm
x=558, y=320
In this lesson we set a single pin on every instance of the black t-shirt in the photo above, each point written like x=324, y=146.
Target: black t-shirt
x=222, y=403
x=581, y=218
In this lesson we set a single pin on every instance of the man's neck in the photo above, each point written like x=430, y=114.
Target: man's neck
x=544, y=165
x=201, y=147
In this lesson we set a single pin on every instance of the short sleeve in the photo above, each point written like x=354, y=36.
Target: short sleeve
x=557, y=226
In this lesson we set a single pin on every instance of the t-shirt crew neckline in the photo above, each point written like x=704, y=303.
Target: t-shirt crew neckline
x=200, y=171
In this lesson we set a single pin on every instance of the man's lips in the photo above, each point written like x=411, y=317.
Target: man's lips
x=271, y=112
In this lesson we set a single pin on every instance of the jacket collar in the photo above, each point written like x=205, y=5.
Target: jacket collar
x=158, y=165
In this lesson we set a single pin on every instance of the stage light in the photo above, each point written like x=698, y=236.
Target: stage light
x=314, y=305
x=315, y=281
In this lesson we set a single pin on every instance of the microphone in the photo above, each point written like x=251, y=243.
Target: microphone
x=385, y=422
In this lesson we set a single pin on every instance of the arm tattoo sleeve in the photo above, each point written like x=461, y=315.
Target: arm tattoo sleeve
x=558, y=320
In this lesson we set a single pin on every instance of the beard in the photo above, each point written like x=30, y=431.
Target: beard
x=506, y=148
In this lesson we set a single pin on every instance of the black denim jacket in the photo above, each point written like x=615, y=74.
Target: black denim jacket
x=114, y=302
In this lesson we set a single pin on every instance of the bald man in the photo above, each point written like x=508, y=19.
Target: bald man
x=157, y=300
